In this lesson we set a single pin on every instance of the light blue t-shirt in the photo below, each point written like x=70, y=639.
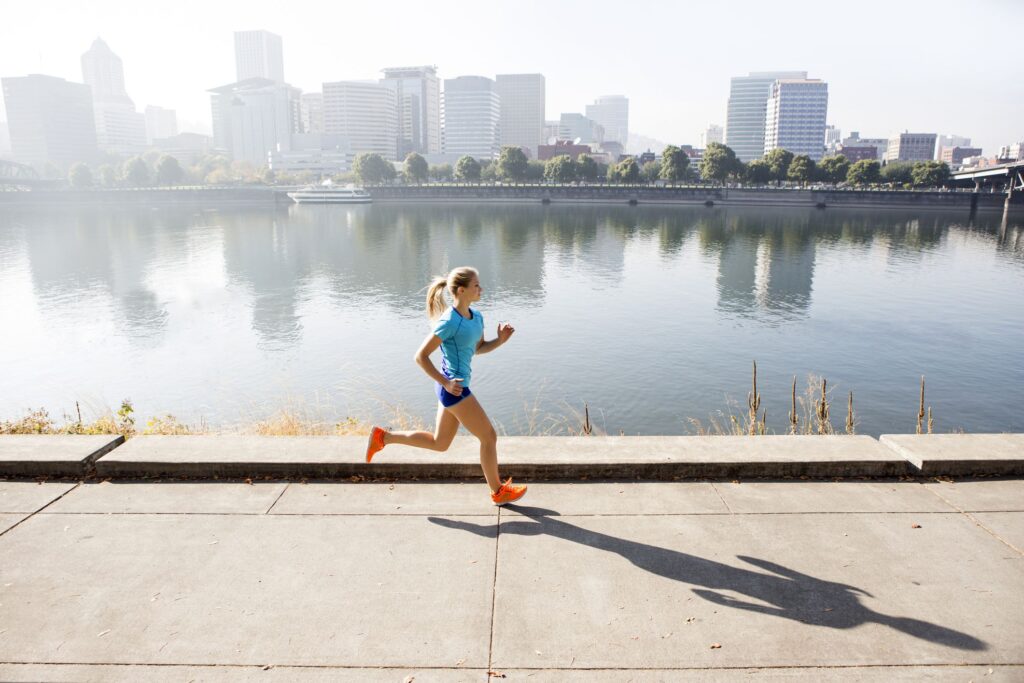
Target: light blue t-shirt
x=459, y=337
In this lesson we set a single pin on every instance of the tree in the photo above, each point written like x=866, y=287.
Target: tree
x=626, y=171
x=371, y=168
x=442, y=172
x=168, y=171
x=719, y=162
x=416, y=168
x=650, y=171
x=779, y=159
x=467, y=168
x=930, y=173
x=759, y=172
x=535, y=170
x=587, y=168
x=897, y=173
x=80, y=177
x=512, y=164
x=674, y=163
x=560, y=169
x=801, y=169
x=107, y=175
x=135, y=172
x=834, y=169
x=864, y=172
x=489, y=171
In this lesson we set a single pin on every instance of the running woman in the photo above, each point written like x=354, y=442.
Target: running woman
x=459, y=332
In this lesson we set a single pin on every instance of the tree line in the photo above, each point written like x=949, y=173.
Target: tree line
x=719, y=163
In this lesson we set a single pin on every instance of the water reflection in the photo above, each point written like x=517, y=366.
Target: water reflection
x=273, y=279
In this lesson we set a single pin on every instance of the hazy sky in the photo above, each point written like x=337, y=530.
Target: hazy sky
x=938, y=66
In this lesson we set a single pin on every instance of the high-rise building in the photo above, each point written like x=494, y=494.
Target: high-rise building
x=748, y=100
x=522, y=110
x=943, y=142
x=254, y=117
x=572, y=127
x=471, y=111
x=312, y=112
x=160, y=123
x=551, y=131
x=119, y=128
x=50, y=120
x=795, y=117
x=365, y=113
x=911, y=147
x=418, y=93
x=954, y=156
x=713, y=133
x=258, y=54
x=856, y=142
x=1014, y=152
x=833, y=139
x=612, y=112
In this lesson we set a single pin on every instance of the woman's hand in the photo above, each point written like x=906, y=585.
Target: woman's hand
x=505, y=331
x=454, y=386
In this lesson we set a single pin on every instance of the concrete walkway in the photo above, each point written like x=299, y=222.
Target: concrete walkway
x=722, y=581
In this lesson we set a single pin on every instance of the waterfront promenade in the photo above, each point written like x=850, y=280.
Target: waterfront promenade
x=716, y=579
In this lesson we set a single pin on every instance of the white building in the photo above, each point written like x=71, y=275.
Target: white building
x=160, y=123
x=119, y=128
x=251, y=118
x=911, y=147
x=258, y=54
x=471, y=112
x=748, y=100
x=317, y=153
x=365, y=113
x=795, y=115
x=312, y=104
x=573, y=127
x=522, y=110
x=833, y=139
x=713, y=133
x=612, y=112
x=1014, y=152
x=418, y=92
x=50, y=120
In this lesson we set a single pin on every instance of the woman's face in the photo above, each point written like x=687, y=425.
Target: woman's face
x=473, y=291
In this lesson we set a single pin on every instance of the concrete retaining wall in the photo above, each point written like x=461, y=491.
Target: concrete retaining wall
x=643, y=457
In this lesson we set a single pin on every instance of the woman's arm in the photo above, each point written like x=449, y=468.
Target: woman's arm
x=504, y=332
x=422, y=358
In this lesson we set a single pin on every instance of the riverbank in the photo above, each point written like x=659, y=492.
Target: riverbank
x=547, y=194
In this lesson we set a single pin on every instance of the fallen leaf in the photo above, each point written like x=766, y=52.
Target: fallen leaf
x=102, y=633
x=248, y=481
x=634, y=637
x=667, y=635
x=213, y=542
x=495, y=674
x=538, y=652
x=716, y=646
x=915, y=526
x=266, y=668
x=459, y=663
x=408, y=679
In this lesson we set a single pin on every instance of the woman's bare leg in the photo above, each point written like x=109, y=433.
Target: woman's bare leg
x=445, y=428
x=472, y=416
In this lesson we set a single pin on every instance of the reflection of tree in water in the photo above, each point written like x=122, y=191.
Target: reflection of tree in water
x=76, y=251
x=775, y=590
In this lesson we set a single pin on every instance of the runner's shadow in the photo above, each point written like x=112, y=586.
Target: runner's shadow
x=776, y=591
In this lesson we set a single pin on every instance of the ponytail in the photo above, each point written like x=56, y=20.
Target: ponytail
x=435, y=297
x=460, y=277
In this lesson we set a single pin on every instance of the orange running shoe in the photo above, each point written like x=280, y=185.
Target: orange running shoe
x=374, y=443
x=508, y=493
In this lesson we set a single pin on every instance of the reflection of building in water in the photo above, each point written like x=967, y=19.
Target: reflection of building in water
x=263, y=254
x=765, y=262
x=75, y=253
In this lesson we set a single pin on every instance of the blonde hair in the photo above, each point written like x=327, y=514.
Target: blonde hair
x=459, y=277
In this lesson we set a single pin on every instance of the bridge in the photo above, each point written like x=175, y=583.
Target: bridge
x=1009, y=177
x=22, y=176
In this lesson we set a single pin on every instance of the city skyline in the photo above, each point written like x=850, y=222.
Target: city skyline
x=673, y=95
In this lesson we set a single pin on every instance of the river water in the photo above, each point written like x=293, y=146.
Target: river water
x=651, y=316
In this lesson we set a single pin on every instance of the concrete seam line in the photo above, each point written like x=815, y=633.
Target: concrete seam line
x=30, y=516
x=433, y=667
x=494, y=591
x=976, y=521
x=279, y=496
x=721, y=497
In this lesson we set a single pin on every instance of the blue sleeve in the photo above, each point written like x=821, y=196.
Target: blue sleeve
x=444, y=329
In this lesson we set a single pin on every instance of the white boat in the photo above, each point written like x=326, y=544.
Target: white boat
x=329, y=193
